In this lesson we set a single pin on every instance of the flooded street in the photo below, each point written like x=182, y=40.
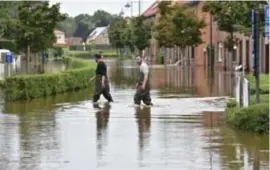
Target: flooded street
x=184, y=130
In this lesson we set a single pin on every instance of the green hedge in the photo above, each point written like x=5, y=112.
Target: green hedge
x=89, y=55
x=254, y=118
x=34, y=86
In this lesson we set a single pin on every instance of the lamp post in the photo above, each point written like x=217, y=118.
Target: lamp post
x=130, y=5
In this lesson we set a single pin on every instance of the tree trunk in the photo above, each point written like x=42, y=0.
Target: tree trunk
x=182, y=55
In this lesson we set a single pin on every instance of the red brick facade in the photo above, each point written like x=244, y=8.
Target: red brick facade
x=222, y=58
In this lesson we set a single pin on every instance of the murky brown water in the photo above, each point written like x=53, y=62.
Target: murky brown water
x=184, y=130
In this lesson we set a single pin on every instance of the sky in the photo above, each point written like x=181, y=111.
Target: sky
x=75, y=7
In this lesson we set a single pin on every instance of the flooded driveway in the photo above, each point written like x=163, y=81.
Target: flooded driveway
x=183, y=130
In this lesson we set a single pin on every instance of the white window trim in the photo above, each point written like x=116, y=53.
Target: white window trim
x=220, y=49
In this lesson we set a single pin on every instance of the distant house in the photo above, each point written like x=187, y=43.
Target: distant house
x=60, y=39
x=74, y=40
x=99, y=36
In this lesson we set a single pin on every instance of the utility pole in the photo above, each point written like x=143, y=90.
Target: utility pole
x=139, y=7
x=211, y=43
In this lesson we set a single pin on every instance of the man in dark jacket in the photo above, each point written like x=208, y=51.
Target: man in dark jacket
x=102, y=82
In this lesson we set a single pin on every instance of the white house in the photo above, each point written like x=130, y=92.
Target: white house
x=60, y=37
x=99, y=36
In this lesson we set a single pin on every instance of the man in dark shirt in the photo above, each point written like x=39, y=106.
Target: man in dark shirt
x=102, y=82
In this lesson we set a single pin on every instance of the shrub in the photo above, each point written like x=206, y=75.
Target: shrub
x=35, y=86
x=254, y=118
x=231, y=103
x=59, y=51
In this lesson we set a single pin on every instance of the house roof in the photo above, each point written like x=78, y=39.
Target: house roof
x=58, y=32
x=97, y=31
x=152, y=10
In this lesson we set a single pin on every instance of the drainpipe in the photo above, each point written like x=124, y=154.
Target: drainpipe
x=211, y=43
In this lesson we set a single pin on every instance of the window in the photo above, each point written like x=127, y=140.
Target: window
x=220, y=47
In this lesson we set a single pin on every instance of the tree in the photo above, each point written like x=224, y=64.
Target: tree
x=163, y=29
x=117, y=32
x=8, y=12
x=142, y=33
x=233, y=16
x=36, y=24
x=187, y=28
x=178, y=26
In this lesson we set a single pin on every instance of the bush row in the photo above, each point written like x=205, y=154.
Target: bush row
x=254, y=118
x=80, y=47
x=34, y=86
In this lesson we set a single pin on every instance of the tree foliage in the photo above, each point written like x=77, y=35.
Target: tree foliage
x=178, y=25
x=234, y=16
x=83, y=24
x=8, y=11
x=141, y=32
x=117, y=32
x=134, y=34
x=35, y=25
x=163, y=29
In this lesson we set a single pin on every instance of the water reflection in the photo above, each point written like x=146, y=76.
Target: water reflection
x=102, y=119
x=143, y=118
x=196, y=81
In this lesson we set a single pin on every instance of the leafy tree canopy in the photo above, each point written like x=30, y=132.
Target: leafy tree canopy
x=178, y=25
x=35, y=25
x=234, y=16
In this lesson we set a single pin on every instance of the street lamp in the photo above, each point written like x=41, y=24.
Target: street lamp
x=130, y=5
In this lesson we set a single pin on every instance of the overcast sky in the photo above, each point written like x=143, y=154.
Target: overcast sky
x=75, y=7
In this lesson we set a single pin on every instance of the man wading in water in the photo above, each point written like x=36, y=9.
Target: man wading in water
x=102, y=82
x=143, y=84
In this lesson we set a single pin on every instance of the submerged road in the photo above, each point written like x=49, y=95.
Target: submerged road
x=183, y=130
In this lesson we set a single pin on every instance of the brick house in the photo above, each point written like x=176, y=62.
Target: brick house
x=198, y=55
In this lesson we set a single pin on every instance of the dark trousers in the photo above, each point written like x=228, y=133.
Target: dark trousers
x=142, y=95
x=105, y=91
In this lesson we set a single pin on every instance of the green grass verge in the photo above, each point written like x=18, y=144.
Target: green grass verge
x=34, y=86
x=89, y=54
x=254, y=118
x=264, y=83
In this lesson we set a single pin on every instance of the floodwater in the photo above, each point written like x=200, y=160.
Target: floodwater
x=183, y=130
